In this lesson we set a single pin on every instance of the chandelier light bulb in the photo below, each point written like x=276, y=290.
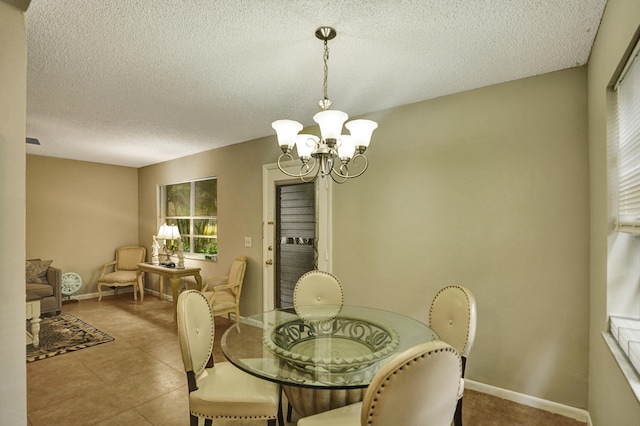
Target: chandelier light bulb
x=361, y=131
x=287, y=130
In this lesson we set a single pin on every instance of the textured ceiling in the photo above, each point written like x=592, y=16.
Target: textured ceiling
x=137, y=82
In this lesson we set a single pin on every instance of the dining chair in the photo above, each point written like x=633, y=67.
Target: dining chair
x=318, y=288
x=418, y=387
x=218, y=390
x=453, y=317
x=223, y=293
x=125, y=270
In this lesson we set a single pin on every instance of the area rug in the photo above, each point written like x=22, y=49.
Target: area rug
x=62, y=334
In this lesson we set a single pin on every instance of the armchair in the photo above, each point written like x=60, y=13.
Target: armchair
x=224, y=297
x=125, y=271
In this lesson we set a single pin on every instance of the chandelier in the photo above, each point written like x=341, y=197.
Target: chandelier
x=330, y=154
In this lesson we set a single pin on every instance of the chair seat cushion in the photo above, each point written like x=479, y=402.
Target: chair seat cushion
x=119, y=277
x=348, y=415
x=41, y=290
x=224, y=391
x=461, y=388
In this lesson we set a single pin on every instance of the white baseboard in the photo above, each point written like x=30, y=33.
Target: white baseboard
x=530, y=401
x=111, y=292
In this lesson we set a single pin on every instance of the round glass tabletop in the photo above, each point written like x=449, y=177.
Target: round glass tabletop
x=325, y=347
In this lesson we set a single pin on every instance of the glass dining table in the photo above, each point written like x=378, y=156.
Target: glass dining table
x=323, y=356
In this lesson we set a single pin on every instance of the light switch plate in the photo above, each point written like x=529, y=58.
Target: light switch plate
x=248, y=242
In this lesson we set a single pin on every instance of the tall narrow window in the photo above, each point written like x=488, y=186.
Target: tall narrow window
x=193, y=206
x=627, y=116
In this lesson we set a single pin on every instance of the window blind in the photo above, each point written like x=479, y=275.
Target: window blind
x=627, y=116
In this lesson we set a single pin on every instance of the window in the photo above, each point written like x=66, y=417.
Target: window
x=193, y=206
x=627, y=133
x=623, y=336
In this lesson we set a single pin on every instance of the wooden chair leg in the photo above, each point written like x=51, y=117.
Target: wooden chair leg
x=193, y=420
x=208, y=422
x=271, y=422
x=457, y=417
x=289, y=411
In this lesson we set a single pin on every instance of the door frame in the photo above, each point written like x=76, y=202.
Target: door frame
x=271, y=176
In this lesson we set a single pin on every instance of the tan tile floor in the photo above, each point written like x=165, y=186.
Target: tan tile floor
x=138, y=379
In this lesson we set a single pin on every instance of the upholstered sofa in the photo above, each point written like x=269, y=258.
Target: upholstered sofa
x=45, y=281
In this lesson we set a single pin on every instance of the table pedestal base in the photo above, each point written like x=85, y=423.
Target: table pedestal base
x=308, y=401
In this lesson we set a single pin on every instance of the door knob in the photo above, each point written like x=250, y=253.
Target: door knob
x=269, y=262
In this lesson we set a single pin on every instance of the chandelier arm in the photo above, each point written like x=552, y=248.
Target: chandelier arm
x=343, y=171
x=301, y=175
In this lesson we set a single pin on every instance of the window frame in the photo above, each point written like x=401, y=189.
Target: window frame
x=625, y=131
x=188, y=239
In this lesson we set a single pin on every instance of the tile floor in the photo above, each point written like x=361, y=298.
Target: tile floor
x=138, y=379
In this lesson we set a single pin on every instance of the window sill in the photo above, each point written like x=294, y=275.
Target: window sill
x=629, y=372
x=202, y=258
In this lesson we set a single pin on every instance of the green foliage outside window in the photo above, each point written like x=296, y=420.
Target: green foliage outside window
x=193, y=206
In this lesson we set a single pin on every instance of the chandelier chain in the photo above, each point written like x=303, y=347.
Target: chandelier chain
x=326, y=73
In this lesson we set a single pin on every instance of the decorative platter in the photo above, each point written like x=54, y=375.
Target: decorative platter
x=71, y=282
x=340, y=345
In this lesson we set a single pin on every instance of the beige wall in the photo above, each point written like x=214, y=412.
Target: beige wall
x=78, y=213
x=13, y=88
x=239, y=172
x=486, y=189
x=611, y=401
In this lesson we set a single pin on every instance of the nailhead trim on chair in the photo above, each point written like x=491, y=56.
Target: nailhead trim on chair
x=201, y=368
x=316, y=272
x=464, y=349
x=206, y=416
x=396, y=371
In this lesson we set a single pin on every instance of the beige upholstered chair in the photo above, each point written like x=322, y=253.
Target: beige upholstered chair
x=453, y=317
x=220, y=390
x=419, y=387
x=125, y=270
x=223, y=293
x=318, y=288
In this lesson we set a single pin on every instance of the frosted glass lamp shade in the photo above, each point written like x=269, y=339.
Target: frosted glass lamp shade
x=330, y=122
x=305, y=144
x=361, y=131
x=346, y=148
x=287, y=130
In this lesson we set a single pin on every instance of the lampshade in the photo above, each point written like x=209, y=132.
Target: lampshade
x=361, y=131
x=287, y=130
x=305, y=144
x=330, y=122
x=346, y=148
x=168, y=232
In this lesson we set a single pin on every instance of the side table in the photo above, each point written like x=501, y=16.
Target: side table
x=33, y=316
x=174, y=275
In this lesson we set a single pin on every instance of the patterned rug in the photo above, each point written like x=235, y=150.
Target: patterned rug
x=64, y=333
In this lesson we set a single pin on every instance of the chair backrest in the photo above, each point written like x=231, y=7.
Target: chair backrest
x=317, y=288
x=418, y=387
x=128, y=257
x=196, y=330
x=453, y=317
x=237, y=271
